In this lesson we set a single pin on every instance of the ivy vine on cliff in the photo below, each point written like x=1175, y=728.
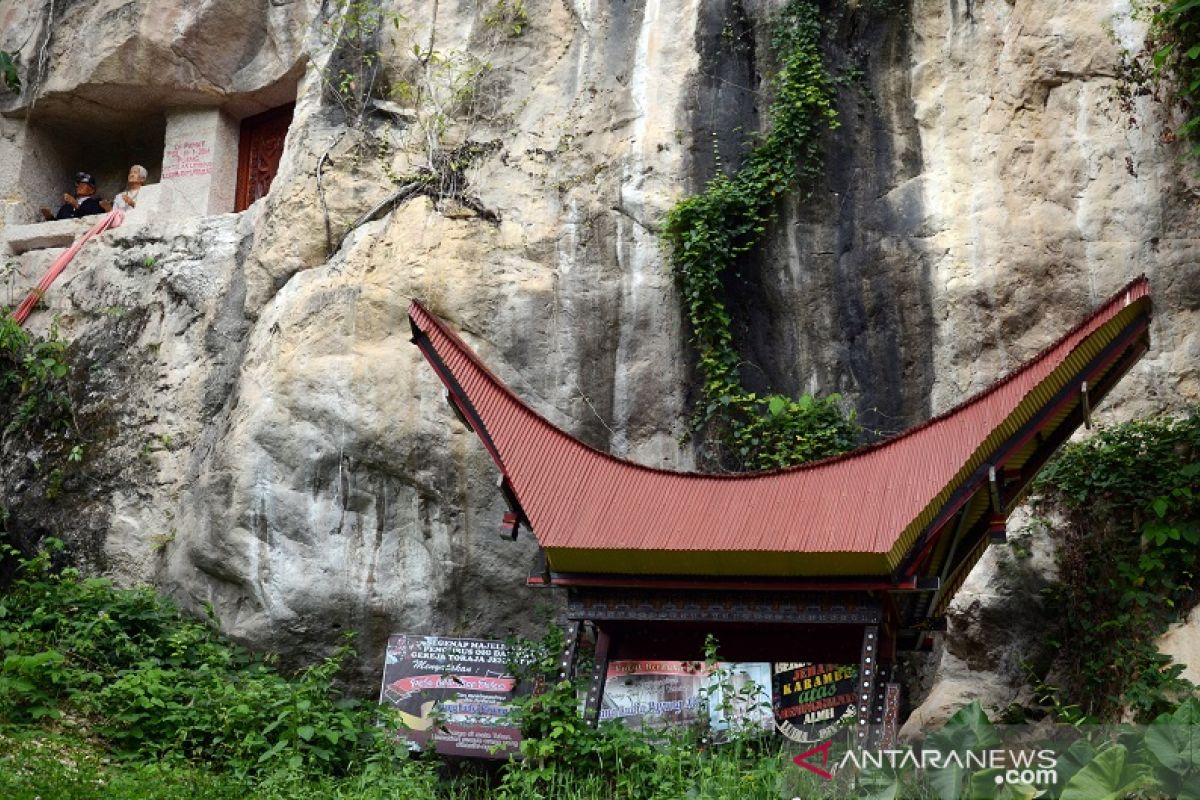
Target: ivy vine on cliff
x=707, y=233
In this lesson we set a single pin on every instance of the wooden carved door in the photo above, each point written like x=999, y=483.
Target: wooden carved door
x=260, y=147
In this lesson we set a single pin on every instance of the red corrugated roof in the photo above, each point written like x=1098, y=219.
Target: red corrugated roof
x=591, y=511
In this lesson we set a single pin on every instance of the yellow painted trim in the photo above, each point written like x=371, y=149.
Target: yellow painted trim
x=708, y=562
x=1035, y=399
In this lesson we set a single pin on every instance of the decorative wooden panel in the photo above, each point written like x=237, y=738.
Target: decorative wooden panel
x=260, y=147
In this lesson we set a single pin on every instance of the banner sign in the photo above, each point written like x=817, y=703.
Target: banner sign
x=454, y=693
x=812, y=701
x=658, y=694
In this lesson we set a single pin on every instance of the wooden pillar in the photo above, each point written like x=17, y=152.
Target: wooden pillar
x=868, y=675
x=571, y=636
x=884, y=706
x=890, y=716
x=885, y=702
x=591, y=707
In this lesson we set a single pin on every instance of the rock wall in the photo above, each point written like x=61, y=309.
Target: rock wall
x=1050, y=183
x=263, y=438
x=100, y=76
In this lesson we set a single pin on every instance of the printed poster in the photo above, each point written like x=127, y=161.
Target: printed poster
x=814, y=701
x=660, y=694
x=454, y=693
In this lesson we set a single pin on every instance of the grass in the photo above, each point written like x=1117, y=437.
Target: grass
x=43, y=764
x=37, y=764
x=111, y=692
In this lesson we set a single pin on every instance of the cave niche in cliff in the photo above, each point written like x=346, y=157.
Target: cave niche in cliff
x=59, y=145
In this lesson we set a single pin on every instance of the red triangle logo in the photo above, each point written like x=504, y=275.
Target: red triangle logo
x=802, y=760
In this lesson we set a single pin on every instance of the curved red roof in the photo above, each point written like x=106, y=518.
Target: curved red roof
x=865, y=513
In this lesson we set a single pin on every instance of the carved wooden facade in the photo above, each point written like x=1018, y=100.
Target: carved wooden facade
x=260, y=148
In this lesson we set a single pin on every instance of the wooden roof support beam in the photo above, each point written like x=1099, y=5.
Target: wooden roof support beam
x=994, y=491
x=747, y=584
x=458, y=412
x=1087, y=405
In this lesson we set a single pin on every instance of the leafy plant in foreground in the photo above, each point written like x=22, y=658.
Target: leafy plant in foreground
x=1084, y=763
x=566, y=757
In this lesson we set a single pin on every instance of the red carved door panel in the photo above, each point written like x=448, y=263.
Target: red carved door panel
x=260, y=147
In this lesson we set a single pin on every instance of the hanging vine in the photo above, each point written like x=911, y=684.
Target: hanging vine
x=707, y=232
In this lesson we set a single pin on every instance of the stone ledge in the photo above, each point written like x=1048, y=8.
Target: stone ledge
x=40, y=235
x=62, y=232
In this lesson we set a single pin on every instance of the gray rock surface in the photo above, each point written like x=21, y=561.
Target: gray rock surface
x=262, y=436
x=96, y=60
x=1182, y=643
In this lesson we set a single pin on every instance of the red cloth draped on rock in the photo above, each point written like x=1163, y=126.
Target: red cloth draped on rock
x=112, y=219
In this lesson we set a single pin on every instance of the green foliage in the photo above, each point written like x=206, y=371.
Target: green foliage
x=556, y=740
x=566, y=757
x=708, y=232
x=107, y=692
x=8, y=72
x=735, y=707
x=782, y=432
x=1128, y=560
x=1173, y=744
x=356, y=27
x=35, y=765
x=1175, y=32
x=969, y=729
x=1089, y=763
x=179, y=713
x=33, y=371
x=165, y=687
x=1110, y=775
x=36, y=402
x=509, y=16
x=1050, y=699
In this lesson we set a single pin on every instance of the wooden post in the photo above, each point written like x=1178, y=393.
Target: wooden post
x=868, y=672
x=891, y=715
x=591, y=707
x=566, y=664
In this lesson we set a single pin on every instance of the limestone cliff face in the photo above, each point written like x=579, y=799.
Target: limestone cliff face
x=266, y=440
x=121, y=57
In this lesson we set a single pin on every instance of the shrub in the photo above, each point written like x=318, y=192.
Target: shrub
x=1128, y=559
x=160, y=685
